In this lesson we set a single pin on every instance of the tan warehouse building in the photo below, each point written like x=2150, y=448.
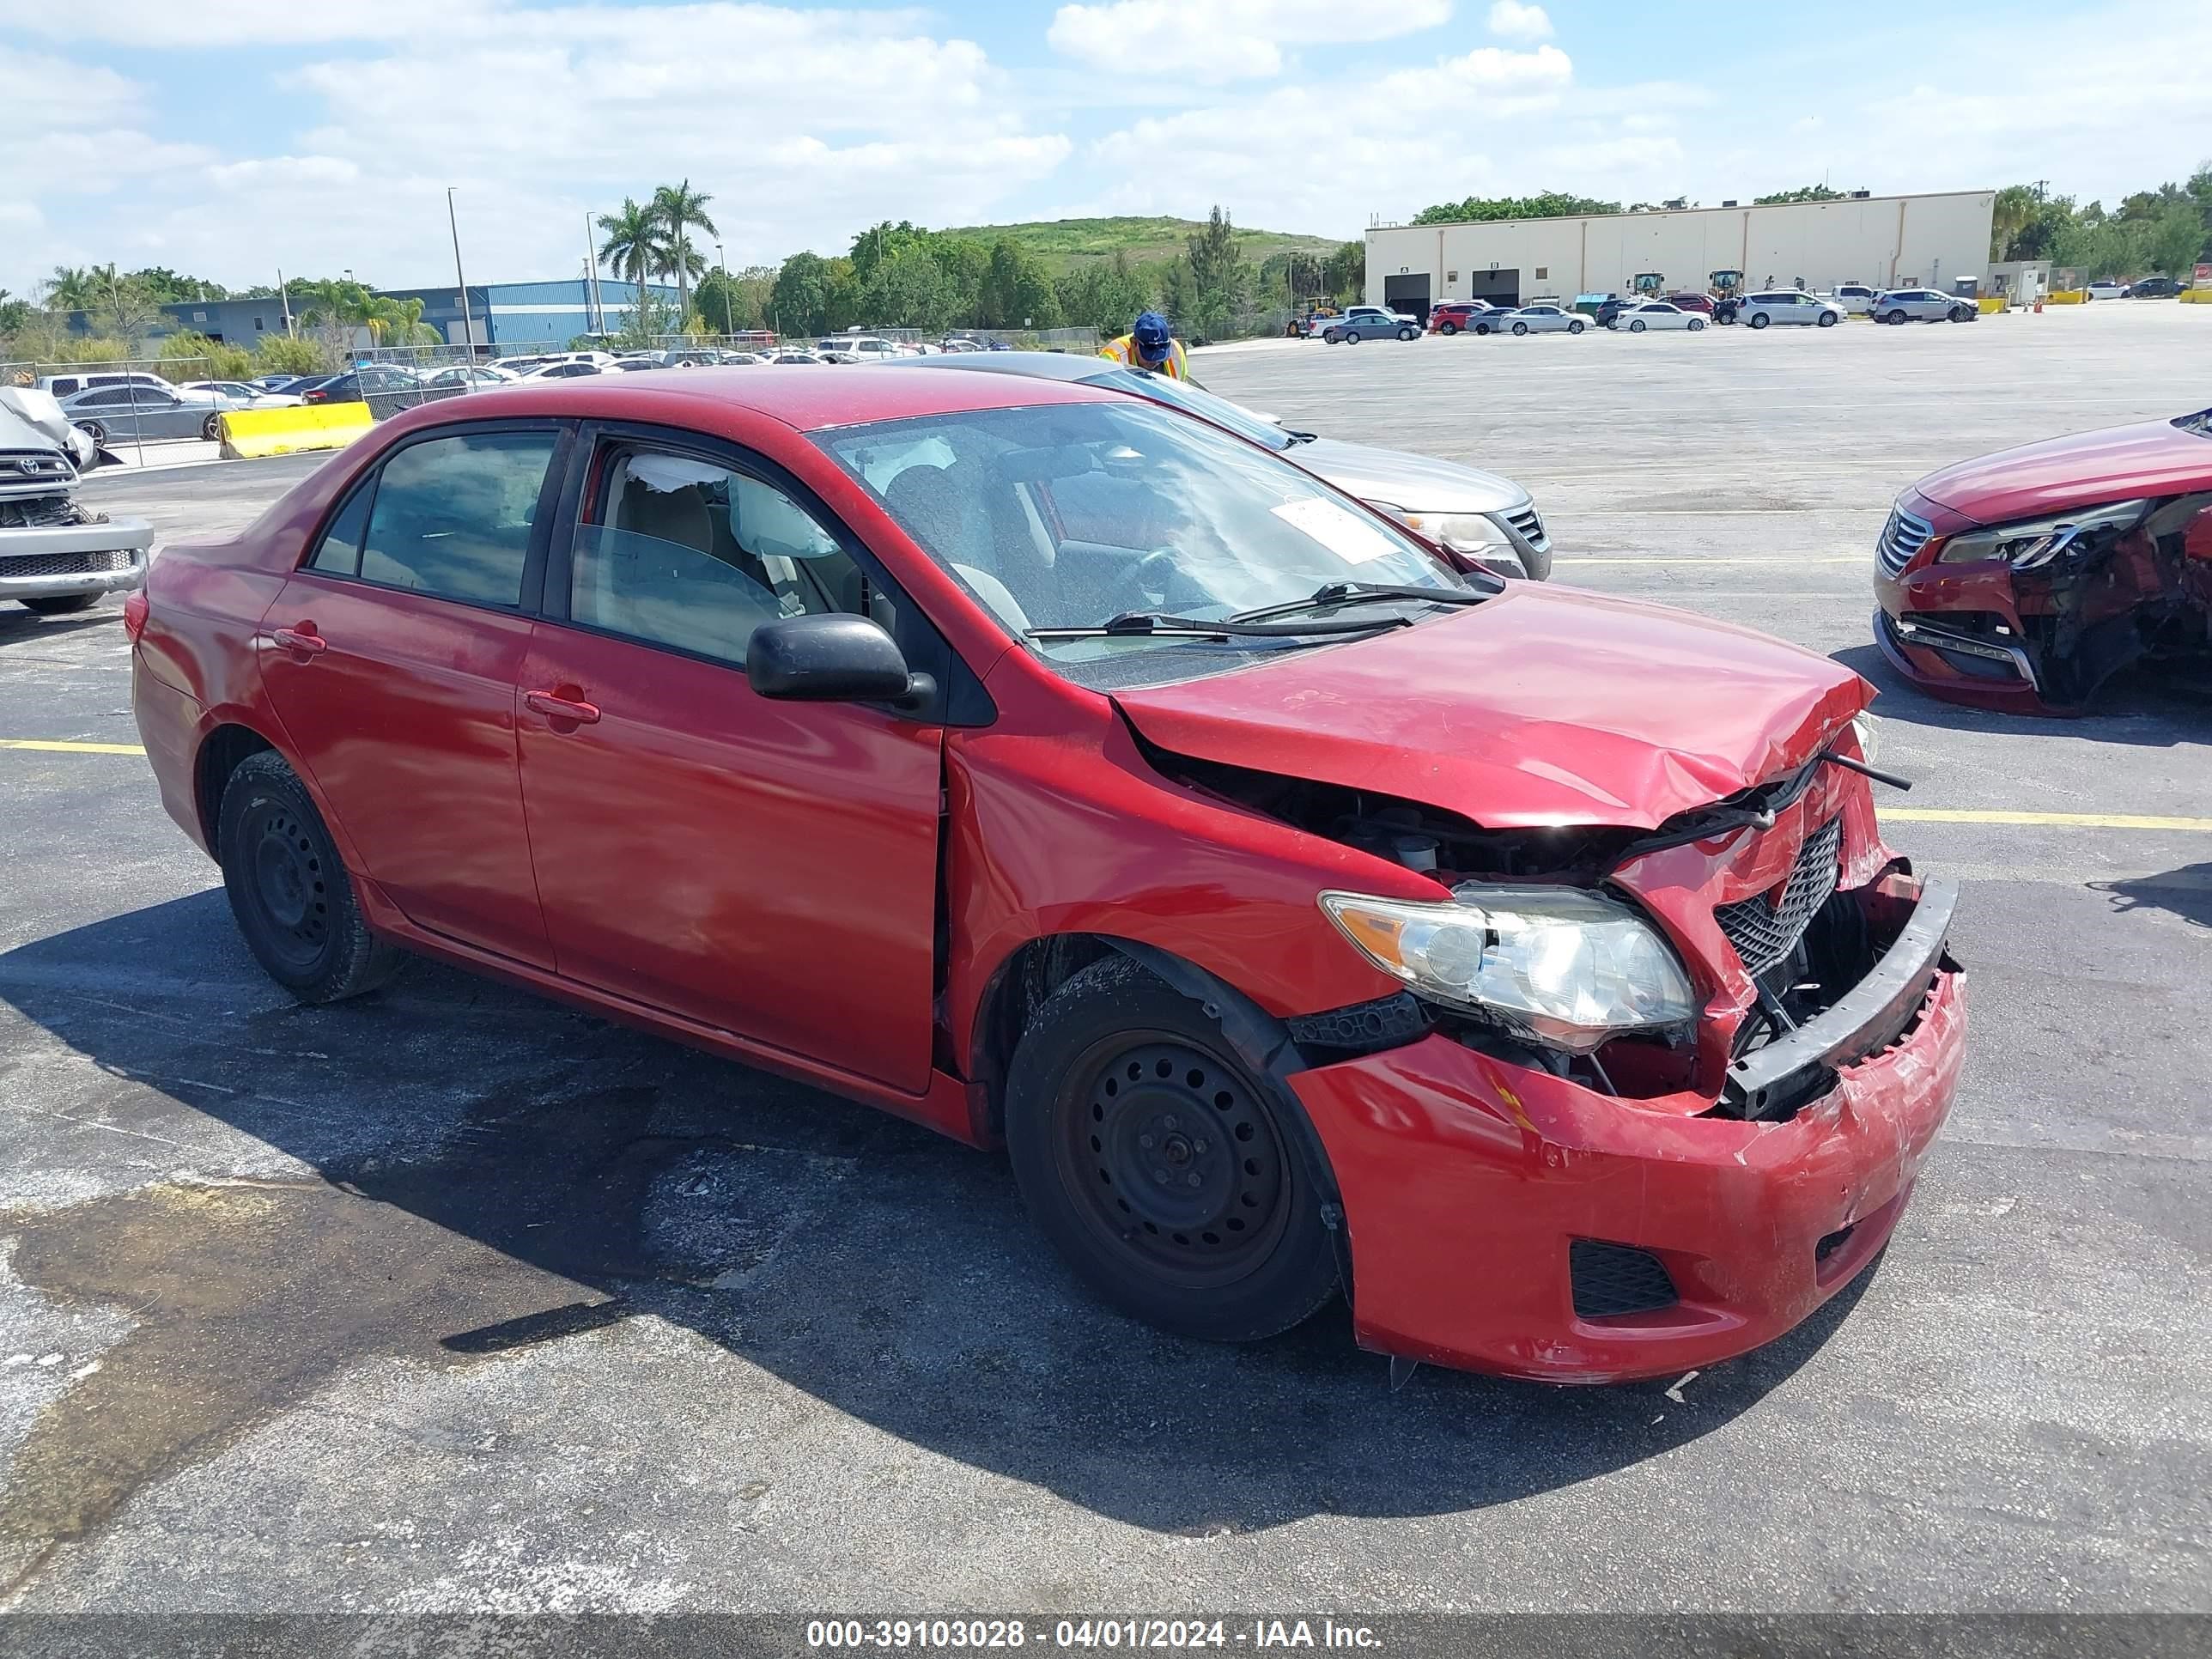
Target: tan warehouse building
x=1888, y=241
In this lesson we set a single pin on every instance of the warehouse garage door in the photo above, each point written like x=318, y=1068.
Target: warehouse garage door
x=1500, y=288
x=1407, y=293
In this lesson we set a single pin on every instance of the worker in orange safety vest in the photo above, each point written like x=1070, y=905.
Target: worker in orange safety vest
x=1148, y=345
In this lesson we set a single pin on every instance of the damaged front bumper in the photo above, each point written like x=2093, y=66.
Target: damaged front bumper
x=1504, y=1219
x=108, y=555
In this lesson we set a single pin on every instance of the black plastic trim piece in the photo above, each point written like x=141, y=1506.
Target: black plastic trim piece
x=1365, y=1028
x=1867, y=1019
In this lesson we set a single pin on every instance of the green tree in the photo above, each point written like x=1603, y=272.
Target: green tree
x=2011, y=211
x=681, y=210
x=799, y=301
x=632, y=249
x=1106, y=295
x=1546, y=204
x=1017, y=290
x=1219, y=272
x=121, y=304
x=1343, y=275
x=168, y=287
x=1802, y=193
x=2176, y=242
x=71, y=288
x=15, y=313
x=905, y=289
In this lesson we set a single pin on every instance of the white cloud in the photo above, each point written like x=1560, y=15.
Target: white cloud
x=161, y=23
x=1214, y=41
x=1388, y=137
x=1511, y=20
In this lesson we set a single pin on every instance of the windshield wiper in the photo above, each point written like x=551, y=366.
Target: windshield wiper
x=1333, y=594
x=1154, y=624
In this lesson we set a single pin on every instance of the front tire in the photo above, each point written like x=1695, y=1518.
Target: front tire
x=1409, y=334
x=1351, y=336
x=211, y=429
x=1696, y=323
x=93, y=431
x=289, y=891
x=1574, y=328
x=1171, y=1180
x=1447, y=328
x=1520, y=328
x=1827, y=319
x=1959, y=313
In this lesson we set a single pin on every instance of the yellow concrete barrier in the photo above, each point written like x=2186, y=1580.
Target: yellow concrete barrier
x=2195, y=296
x=1990, y=304
x=249, y=432
x=2066, y=296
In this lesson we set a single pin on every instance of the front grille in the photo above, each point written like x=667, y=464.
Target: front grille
x=1529, y=527
x=65, y=564
x=1902, y=539
x=36, y=465
x=1609, y=1279
x=1764, y=931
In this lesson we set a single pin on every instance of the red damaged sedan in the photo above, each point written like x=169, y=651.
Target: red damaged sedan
x=2025, y=579
x=1305, y=912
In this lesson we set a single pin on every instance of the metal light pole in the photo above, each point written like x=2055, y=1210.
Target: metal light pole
x=723, y=265
x=468, y=323
x=594, y=300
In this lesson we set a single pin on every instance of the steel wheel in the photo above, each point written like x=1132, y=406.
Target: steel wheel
x=289, y=887
x=1182, y=1173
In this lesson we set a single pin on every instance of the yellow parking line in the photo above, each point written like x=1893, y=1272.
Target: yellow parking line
x=2061, y=820
x=71, y=748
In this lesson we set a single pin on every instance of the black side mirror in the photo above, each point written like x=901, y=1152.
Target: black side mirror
x=829, y=659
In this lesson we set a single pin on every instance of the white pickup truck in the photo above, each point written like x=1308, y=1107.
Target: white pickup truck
x=57, y=556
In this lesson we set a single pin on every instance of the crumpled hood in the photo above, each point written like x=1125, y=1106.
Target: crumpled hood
x=1419, y=484
x=1542, y=705
x=2082, y=470
x=32, y=420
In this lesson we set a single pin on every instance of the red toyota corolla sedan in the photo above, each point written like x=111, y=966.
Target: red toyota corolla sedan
x=2025, y=579
x=1303, y=910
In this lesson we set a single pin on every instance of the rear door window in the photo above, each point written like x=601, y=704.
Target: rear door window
x=452, y=516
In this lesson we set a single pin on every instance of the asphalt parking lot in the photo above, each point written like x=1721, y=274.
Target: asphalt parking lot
x=452, y=1299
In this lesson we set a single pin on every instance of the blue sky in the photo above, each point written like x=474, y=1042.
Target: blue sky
x=232, y=138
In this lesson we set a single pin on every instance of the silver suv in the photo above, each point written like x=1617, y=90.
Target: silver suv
x=1923, y=305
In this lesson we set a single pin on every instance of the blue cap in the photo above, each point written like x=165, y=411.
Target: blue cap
x=1151, y=334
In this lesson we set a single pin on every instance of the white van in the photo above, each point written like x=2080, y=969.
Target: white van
x=67, y=385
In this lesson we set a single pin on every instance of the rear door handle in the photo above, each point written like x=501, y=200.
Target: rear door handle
x=561, y=708
x=302, y=639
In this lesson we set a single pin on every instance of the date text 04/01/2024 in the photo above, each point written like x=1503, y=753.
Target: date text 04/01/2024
x=1135, y=1633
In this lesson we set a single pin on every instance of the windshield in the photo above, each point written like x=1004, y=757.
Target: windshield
x=1066, y=515
x=1180, y=394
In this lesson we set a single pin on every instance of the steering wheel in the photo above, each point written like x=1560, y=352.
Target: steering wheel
x=1158, y=582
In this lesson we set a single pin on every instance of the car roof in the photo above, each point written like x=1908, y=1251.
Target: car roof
x=807, y=402
x=1034, y=365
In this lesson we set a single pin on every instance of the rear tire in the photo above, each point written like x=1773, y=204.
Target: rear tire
x=1172, y=1181
x=1827, y=319
x=1409, y=334
x=63, y=604
x=211, y=429
x=1696, y=323
x=288, y=889
x=1637, y=325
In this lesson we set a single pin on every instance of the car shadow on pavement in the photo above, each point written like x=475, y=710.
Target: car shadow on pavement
x=18, y=625
x=2130, y=709
x=466, y=1171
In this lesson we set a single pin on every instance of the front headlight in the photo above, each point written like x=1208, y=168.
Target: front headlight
x=1561, y=965
x=2036, y=542
x=1463, y=532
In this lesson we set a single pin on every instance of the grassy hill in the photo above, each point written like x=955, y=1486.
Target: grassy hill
x=1064, y=245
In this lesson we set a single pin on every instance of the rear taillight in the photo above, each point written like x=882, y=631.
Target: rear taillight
x=134, y=610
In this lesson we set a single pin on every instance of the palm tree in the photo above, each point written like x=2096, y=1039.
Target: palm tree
x=71, y=288
x=2010, y=212
x=633, y=245
x=681, y=209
